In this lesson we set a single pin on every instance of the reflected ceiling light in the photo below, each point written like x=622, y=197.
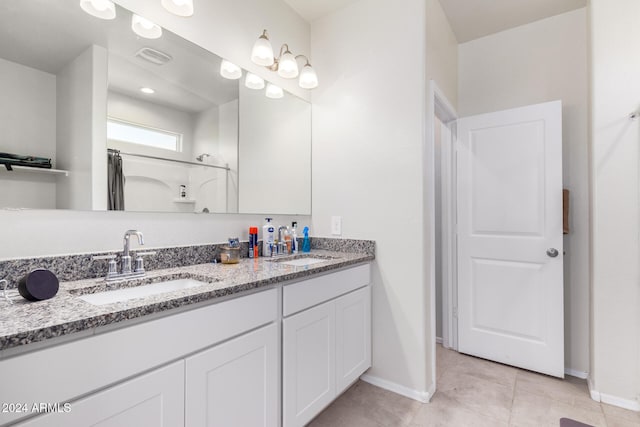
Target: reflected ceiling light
x=286, y=64
x=229, y=70
x=103, y=9
x=274, y=92
x=145, y=28
x=253, y=82
x=147, y=90
x=179, y=7
x=262, y=52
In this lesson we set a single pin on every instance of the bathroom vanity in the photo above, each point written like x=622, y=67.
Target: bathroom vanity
x=265, y=342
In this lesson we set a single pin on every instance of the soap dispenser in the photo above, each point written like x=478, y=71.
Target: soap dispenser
x=306, y=243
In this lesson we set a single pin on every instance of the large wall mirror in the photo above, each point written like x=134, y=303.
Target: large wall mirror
x=102, y=102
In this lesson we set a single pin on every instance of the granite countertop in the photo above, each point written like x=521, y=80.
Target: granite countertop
x=26, y=322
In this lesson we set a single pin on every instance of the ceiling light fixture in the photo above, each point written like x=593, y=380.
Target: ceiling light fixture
x=274, y=92
x=145, y=28
x=103, y=9
x=147, y=90
x=253, y=82
x=179, y=7
x=229, y=70
x=286, y=64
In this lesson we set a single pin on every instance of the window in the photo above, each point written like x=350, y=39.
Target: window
x=138, y=134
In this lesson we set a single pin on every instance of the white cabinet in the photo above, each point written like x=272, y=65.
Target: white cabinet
x=308, y=351
x=235, y=383
x=153, y=399
x=353, y=337
x=325, y=348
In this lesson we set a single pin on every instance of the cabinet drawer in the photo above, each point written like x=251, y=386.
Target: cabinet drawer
x=302, y=295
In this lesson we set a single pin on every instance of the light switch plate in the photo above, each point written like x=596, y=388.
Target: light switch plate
x=336, y=225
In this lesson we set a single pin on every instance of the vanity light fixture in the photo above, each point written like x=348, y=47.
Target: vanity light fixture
x=179, y=7
x=229, y=70
x=103, y=9
x=145, y=28
x=253, y=82
x=262, y=52
x=147, y=90
x=274, y=92
x=286, y=64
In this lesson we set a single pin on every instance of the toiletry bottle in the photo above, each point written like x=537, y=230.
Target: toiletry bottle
x=268, y=238
x=306, y=243
x=287, y=239
x=294, y=237
x=253, y=241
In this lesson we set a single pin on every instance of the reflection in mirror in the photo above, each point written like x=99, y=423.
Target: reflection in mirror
x=76, y=87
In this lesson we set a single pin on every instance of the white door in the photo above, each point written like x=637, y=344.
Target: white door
x=153, y=399
x=308, y=363
x=235, y=383
x=510, y=284
x=353, y=337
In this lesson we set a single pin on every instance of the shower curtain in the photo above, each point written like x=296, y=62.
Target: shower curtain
x=115, y=182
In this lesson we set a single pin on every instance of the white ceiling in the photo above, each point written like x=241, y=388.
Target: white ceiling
x=311, y=10
x=470, y=19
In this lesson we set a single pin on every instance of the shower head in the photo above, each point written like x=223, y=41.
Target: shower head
x=201, y=157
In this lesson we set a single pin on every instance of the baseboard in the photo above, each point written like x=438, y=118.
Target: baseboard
x=439, y=340
x=420, y=396
x=595, y=395
x=575, y=373
x=632, y=405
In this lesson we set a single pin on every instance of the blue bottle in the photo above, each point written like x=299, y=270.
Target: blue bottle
x=306, y=243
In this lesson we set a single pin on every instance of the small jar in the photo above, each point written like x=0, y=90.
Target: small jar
x=229, y=255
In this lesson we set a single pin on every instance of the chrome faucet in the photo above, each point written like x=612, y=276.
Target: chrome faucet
x=126, y=257
x=126, y=270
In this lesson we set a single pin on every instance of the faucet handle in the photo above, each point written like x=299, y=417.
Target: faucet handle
x=140, y=261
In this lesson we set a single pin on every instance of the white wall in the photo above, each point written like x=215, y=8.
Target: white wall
x=367, y=167
x=228, y=151
x=615, y=303
x=442, y=52
x=80, y=137
x=228, y=29
x=28, y=123
x=274, y=144
x=538, y=62
x=206, y=131
x=442, y=68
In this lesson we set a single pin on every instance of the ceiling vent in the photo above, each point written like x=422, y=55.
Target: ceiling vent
x=153, y=56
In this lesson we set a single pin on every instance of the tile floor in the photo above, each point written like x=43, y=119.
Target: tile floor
x=475, y=392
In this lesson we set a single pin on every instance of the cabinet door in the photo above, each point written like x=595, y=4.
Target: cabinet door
x=235, y=383
x=353, y=337
x=153, y=399
x=309, y=381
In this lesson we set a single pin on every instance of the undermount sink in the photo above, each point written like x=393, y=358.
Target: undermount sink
x=141, y=291
x=302, y=260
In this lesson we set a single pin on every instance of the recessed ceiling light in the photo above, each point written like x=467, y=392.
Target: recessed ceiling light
x=147, y=90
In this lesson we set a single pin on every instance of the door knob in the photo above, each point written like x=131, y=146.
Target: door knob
x=552, y=252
